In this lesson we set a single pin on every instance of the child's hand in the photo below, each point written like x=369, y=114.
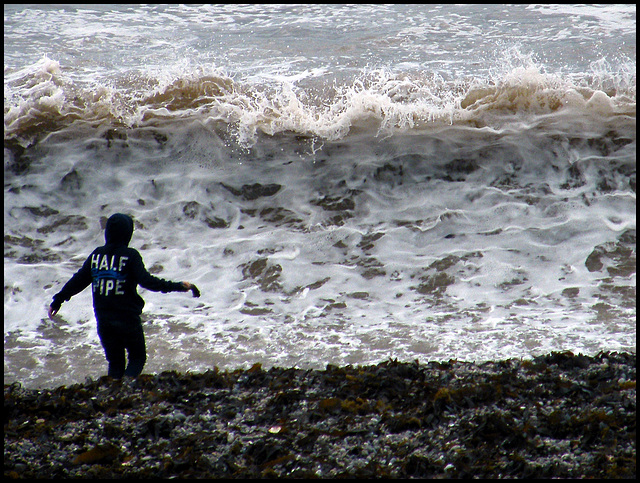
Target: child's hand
x=193, y=288
x=52, y=312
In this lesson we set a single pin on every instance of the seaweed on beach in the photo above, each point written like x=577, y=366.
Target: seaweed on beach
x=556, y=415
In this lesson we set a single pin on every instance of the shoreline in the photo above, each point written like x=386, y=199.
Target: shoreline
x=557, y=415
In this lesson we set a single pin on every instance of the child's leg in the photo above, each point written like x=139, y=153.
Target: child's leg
x=137, y=350
x=113, y=349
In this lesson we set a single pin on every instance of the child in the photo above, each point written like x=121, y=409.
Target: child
x=115, y=270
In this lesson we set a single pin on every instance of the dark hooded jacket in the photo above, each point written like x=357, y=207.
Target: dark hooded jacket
x=115, y=270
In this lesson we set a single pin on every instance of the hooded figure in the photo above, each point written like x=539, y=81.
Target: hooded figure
x=119, y=229
x=115, y=270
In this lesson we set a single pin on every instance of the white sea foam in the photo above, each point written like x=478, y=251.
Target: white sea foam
x=436, y=200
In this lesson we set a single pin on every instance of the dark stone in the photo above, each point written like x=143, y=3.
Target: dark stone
x=252, y=192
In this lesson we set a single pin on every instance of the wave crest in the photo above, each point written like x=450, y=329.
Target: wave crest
x=44, y=99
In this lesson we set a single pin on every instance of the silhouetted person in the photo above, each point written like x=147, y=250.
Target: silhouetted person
x=115, y=270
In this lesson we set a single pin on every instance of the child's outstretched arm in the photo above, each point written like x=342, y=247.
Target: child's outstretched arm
x=80, y=280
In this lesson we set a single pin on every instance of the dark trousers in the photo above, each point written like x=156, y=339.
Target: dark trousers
x=117, y=335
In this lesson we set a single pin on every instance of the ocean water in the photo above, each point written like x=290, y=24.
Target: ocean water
x=345, y=184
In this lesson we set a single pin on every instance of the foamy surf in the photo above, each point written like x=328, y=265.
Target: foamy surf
x=43, y=100
x=479, y=206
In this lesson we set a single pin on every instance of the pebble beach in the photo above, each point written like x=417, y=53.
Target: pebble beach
x=559, y=415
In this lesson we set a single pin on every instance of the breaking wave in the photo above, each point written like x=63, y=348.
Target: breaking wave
x=44, y=99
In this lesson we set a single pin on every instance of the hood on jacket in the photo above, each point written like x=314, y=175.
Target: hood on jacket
x=119, y=229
